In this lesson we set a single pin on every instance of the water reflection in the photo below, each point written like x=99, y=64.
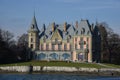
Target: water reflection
x=53, y=77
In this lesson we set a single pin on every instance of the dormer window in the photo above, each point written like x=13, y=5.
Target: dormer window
x=67, y=33
x=70, y=36
x=50, y=32
x=83, y=31
x=56, y=40
x=76, y=32
x=33, y=26
x=88, y=32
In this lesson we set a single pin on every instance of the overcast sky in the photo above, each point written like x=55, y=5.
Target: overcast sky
x=16, y=15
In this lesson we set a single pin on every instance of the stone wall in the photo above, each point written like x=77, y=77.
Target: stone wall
x=55, y=69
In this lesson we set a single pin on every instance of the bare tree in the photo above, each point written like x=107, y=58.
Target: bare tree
x=7, y=37
x=110, y=45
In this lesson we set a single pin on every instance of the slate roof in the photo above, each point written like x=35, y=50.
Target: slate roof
x=83, y=28
x=71, y=30
x=33, y=26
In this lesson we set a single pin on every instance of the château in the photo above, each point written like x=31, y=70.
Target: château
x=61, y=42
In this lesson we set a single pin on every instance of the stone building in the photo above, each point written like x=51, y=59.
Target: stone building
x=63, y=42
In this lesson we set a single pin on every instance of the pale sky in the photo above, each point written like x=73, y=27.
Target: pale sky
x=16, y=15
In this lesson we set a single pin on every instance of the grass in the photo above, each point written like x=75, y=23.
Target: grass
x=112, y=65
x=58, y=63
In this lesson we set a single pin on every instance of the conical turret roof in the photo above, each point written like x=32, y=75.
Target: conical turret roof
x=33, y=26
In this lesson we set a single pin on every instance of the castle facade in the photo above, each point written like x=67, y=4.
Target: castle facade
x=63, y=42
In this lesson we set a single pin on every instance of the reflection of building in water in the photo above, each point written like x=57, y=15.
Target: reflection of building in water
x=63, y=41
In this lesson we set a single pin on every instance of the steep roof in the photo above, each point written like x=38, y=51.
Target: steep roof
x=33, y=26
x=83, y=28
x=70, y=30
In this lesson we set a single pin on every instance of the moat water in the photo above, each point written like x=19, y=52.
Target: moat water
x=54, y=77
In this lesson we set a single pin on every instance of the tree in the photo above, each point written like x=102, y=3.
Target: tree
x=6, y=53
x=24, y=51
x=23, y=40
x=114, y=46
x=7, y=37
x=110, y=45
x=104, y=43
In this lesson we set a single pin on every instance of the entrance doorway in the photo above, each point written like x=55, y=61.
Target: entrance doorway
x=80, y=57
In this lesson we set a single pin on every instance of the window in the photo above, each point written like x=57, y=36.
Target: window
x=56, y=40
x=44, y=39
x=41, y=46
x=31, y=39
x=87, y=39
x=81, y=43
x=33, y=26
x=70, y=47
x=76, y=39
x=88, y=32
x=53, y=47
x=68, y=40
x=75, y=46
x=31, y=46
x=47, y=46
x=76, y=32
x=82, y=31
x=65, y=46
x=87, y=45
x=59, y=47
x=81, y=39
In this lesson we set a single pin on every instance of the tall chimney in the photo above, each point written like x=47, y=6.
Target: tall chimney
x=53, y=26
x=76, y=24
x=65, y=26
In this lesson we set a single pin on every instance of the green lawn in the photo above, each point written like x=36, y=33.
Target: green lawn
x=55, y=63
x=112, y=65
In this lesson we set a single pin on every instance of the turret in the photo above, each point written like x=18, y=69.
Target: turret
x=33, y=35
x=65, y=26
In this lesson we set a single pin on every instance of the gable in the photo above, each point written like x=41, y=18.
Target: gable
x=55, y=35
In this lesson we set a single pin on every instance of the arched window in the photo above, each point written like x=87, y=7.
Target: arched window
x=54, y=56
x=66, y=56
x=41, y=56
x=31, y=39
x=31, y=46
